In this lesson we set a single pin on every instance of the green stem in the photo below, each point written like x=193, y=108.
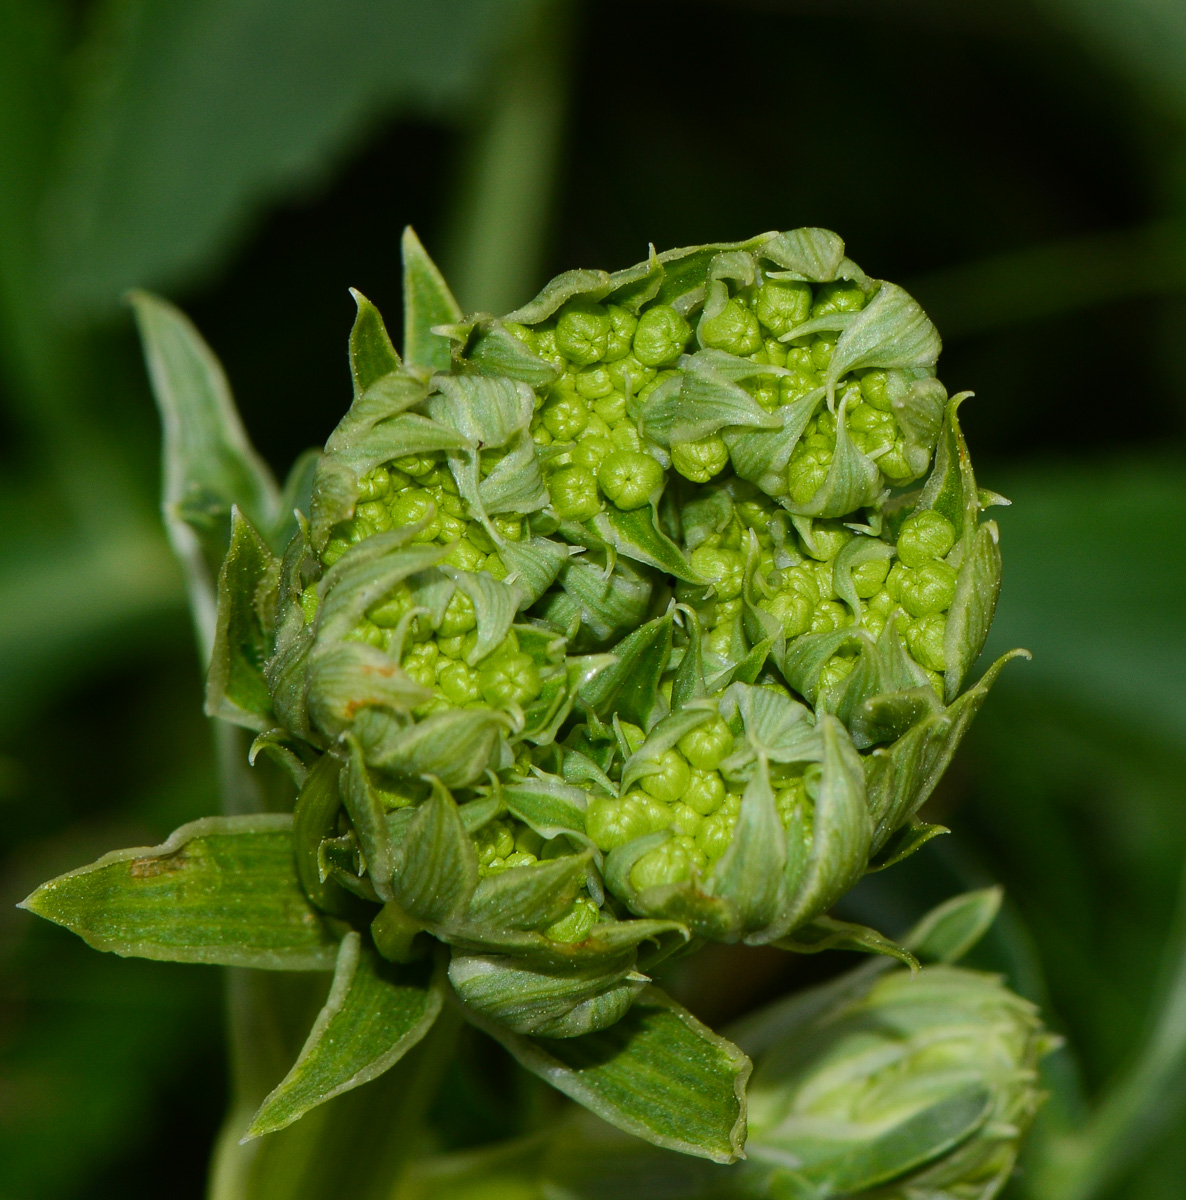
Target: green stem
x=495, y=251
x=1136, y=1109
x=1053, y=279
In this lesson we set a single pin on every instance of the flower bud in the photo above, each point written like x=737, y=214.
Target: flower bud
x=913, y=1085
x=660, y=336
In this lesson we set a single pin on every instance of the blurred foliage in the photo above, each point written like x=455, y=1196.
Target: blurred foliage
x=1021, y=164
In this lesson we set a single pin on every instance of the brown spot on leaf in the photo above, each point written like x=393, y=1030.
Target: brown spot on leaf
x=166, y=864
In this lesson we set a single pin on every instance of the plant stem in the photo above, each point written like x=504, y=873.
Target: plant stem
x=495, y=250
x=1054, y=278
x=1137, y=1107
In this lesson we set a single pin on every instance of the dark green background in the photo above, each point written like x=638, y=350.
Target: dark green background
x=1020, y=165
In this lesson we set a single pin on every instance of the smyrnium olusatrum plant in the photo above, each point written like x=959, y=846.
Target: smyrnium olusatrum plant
x=641, y=616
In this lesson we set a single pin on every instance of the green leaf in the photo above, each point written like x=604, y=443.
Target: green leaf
x=515, y=483
x=221, y=890
x=314, y=819
x=236, y=689
x=750, y=874
x=532, y=566
x=762, y=455
x=890, y=331
x=630, y=687
x=608, y=602
x=828, y=933
x=658, y=1074
x=606, y=943
x=427, y=302
x=374, y=1015
x=550, y=806
x=853, y=554
x=702, y=402
x=486, y=411
x=852, y=482
x=346, y=676
x=968, y=620
x=558, y=291
x=368, y=816
x=950, y=488
x=457, y=746
x=951, y=929
x=436, y=867
x=529, y=897
x=646, y=759
x=530, y=998
x=494, y=350
x=775, y=726
x=335, y=482
x=210, y=466
x=494, y=608
x=903, y=842
x=812, y=254
x=848, y=1161
x=636, y=535
x=841, y=832
x=372, y=356
x=179, y=135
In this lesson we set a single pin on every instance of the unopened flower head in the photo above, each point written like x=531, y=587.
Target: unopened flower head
x=915, y=1086
x=635, y=578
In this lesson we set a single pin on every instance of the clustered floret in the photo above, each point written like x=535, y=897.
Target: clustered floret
x=667, y=501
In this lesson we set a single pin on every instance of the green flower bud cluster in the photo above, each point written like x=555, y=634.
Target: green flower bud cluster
x=570, y=587
x=817, y=577
x=686, y=793
x=420, y=490
x=768, y=372
x=604, y=626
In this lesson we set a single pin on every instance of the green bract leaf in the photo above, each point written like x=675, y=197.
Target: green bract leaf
x=630, y=687
x=970, y=616
x=221, y=890
x=210, y=465
x=852, y=482
x=891, y=331
x=590, y=283
x=456, y=746
x=314, y=819
x=530, y=999
x=658, y=1074
x=841, y=832
x=761, y=456
x=368, y=816
x=494, y=350
x=812, y=254
x=236, y=689
x=531, y=897
x=606, y=601
x=548, y=805
x=436, y=869
x=636, y=535
x=751, y=872
x=374, y=1015
x=827, y=933
x=533, y=566
x=950, y=488
x=372, y=356
x=949, y=931
x=903, y=842
x=703, y=402
x=427, y=302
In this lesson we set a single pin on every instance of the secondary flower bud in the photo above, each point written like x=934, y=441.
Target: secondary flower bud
x=949, y=1054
